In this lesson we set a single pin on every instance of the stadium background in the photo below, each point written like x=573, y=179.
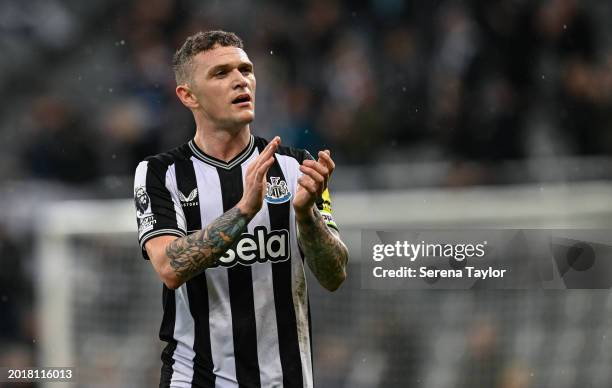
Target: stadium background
x=438, y=113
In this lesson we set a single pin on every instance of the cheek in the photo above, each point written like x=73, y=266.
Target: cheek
x=210, y=100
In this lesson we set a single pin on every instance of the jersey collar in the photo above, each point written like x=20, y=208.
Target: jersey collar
x=241, y=157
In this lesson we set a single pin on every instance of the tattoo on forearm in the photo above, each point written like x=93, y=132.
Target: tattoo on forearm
x=325, y=253
x=194, y=253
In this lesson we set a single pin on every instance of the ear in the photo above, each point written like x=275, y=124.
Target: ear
x=186, y=96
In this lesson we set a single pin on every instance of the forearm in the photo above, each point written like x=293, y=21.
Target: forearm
x=326, y=254
x=192, y=254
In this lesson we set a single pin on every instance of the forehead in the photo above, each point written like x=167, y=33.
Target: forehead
x=221, y=56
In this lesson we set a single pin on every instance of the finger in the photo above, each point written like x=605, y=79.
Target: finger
x=308, y=184
x=263, y=168
x=261, y=160
x=270, y=148
x=325, y=158
x=252, y=166
x=319, y=167
x=313, y=174
x=268, y=151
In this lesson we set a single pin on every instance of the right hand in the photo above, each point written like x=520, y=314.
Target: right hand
x=255, y=180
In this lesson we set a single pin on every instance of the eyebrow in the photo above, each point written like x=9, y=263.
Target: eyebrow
x=226, y=66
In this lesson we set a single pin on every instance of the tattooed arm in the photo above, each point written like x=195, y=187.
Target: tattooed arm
x=326, y=254
x=188, y=256
x=177, y=260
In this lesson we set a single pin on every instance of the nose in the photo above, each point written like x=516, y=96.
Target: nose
x=239, y=80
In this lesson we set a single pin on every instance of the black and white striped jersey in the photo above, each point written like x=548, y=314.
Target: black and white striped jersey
x=246, y=322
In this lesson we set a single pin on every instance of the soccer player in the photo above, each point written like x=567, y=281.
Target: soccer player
x=227, y=220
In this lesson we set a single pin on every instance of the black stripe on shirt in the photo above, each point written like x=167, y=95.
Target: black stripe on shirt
x=166, y=333
x=240, y=280
x=288, y=345
x=197, y=287
x=186, y=183
x=162, y=205
x=197, y=292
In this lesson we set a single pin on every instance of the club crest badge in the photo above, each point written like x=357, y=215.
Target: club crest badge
x=277, y=191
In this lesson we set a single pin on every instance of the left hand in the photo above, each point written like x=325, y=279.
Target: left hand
x=312, y=184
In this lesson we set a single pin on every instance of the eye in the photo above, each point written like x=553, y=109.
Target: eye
x=246, y=70
x=220, y=73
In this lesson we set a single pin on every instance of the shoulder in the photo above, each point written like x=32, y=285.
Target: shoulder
x=161, y=161
x=296, y=153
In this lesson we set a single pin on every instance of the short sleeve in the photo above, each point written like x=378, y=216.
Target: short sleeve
x=156, y=212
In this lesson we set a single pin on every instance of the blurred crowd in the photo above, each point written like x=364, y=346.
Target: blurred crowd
x=17, y=316
x=88, y=91
x=473, y=82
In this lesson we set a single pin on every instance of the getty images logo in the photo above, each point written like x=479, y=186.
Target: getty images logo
x=259, y=247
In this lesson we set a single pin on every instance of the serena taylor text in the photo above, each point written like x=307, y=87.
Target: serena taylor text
x=427, y=272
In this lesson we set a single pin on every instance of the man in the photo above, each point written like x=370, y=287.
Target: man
x=229, y=220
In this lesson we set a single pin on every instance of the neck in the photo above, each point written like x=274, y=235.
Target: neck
x=223, y=144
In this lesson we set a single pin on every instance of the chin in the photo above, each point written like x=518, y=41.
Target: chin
x=246, y=117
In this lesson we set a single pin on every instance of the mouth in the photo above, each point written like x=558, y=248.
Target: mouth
x=242, y=100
